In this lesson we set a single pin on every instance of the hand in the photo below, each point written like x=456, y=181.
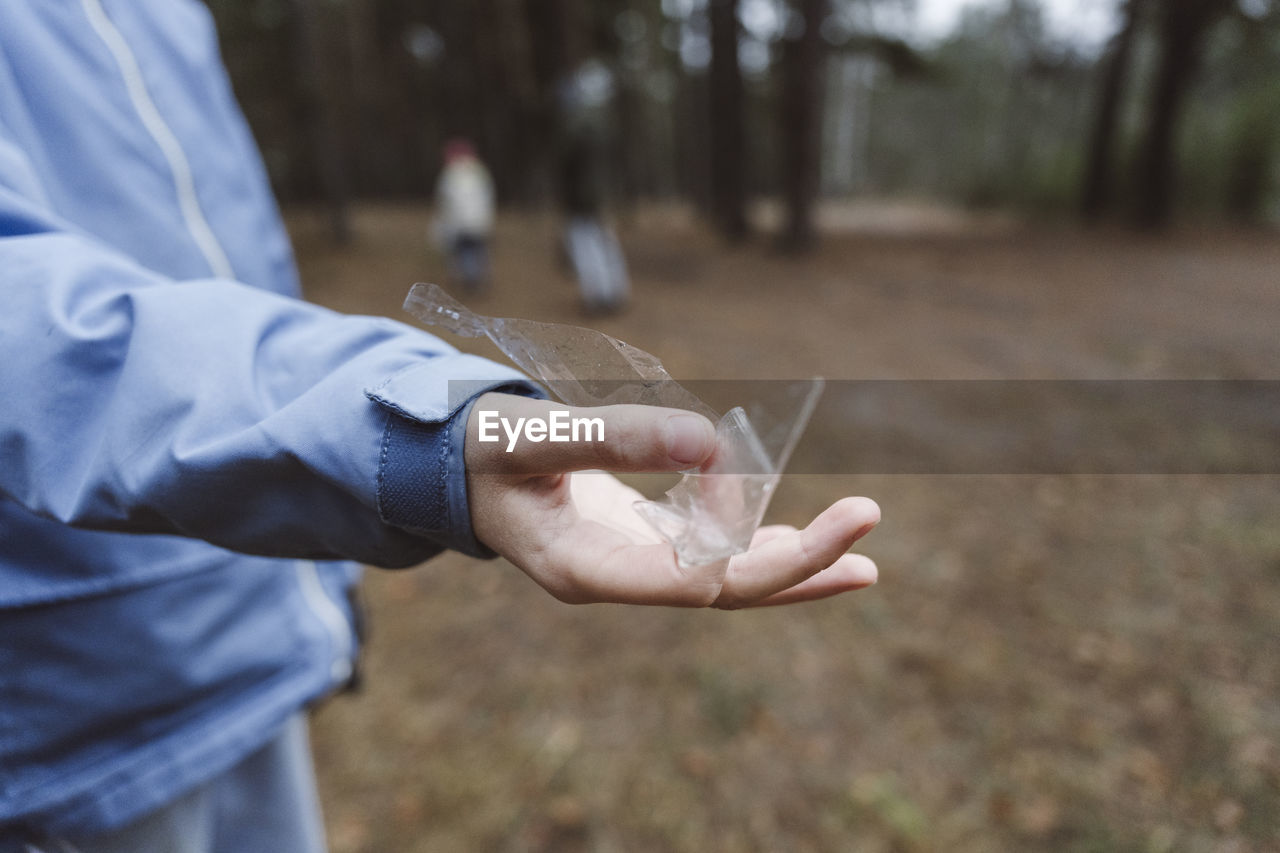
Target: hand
x=574, y=531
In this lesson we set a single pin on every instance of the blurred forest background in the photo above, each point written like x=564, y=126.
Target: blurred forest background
x=1142, y=110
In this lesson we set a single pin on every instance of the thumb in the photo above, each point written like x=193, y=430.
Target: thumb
x=507, y=434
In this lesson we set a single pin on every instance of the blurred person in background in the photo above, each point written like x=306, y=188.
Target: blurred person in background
x=464, y=218
x=585, y=99
x=192, y=458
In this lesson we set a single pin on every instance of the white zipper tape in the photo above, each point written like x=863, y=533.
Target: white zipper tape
x=179, y=166
x=332, y=618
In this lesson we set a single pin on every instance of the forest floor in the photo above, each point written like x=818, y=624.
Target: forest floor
x=1048, y=662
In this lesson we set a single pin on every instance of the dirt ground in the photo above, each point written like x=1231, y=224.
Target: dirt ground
x=1048, y=662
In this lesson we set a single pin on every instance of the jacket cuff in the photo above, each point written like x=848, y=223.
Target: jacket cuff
x=422, y=483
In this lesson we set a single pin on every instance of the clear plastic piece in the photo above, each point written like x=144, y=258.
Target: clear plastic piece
x=713, y=512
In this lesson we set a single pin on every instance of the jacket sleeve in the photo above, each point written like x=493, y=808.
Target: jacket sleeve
x=218, y=411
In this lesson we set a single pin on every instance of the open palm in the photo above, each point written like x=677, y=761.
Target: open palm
x=574, y=530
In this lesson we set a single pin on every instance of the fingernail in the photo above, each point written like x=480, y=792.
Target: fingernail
x=864, y=530
x=688, y=438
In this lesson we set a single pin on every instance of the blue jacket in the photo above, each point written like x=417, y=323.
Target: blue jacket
x=182, y=440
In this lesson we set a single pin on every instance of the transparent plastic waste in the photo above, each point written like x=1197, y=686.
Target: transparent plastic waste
x=712, y=513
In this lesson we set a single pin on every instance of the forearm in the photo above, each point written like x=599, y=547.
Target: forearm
x=221, y=412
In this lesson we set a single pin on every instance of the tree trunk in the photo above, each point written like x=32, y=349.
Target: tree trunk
x=1095, y=191
x=1184, y=29
x=323, y=119
x=801, y=122
x=556, y=47
x=361, y=92
x=728, y=138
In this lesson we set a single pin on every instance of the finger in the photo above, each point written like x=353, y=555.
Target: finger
x=521, y=436
x=769, y=532
x=791, y=558
x=850, y=572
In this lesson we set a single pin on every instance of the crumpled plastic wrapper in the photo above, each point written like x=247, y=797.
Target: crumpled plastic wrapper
x=713, y=512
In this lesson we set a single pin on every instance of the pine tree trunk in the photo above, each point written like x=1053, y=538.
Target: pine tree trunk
x=1099, y=176
x=728, y=140
x=556, y=47
x=1184, y=30
x=800, y=112
x=323, y=119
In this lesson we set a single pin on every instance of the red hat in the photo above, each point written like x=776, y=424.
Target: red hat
x=458, y=149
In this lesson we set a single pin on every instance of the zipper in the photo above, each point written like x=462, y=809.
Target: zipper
x=318, y=601
x=180, y=168
x=330, y=616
